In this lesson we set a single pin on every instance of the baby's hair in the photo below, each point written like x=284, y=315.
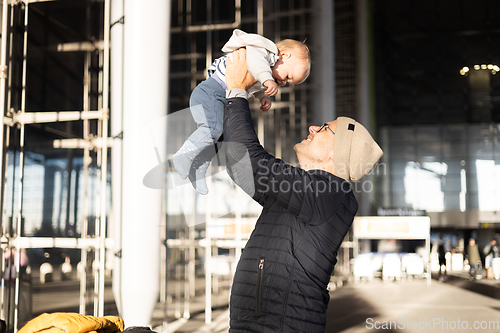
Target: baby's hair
x=299, y=49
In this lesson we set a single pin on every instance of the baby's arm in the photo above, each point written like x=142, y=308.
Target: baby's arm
x=265, y=103
x=271, y=87
x=258, y=62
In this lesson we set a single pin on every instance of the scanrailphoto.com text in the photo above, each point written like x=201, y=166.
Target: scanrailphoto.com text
x=427, y=324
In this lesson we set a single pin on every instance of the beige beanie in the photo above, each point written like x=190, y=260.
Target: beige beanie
x=355, y=153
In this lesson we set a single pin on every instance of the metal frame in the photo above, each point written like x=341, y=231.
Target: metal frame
x=12, y=239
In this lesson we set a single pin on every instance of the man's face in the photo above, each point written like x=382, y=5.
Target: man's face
x=318, y=146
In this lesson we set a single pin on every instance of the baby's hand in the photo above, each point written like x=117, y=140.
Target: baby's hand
x=272, y=87
x=265, y=103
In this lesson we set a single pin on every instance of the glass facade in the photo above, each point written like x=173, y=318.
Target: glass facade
x=52, y=165
x=437, y=103
x=54, y=80
x=439, y=168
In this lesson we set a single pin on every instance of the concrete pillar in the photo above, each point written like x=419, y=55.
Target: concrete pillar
x=364, y=86
x=116, y=119
x=363, y=67
x=323, y=51
x=145, y=54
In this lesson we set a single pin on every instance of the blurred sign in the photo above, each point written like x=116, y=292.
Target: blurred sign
x=489, y=225
x=400, y=212
x=392, y=227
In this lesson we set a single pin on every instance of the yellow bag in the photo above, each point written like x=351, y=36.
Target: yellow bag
x=73, y=323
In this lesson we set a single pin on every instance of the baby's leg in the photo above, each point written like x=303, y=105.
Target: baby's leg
x=210, y=95
x=183, y=158
x=207, y=108
x=201, y=107
x=199, y=168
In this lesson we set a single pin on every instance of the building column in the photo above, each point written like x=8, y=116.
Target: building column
x=323, y=51
x=364, y=85
x=143, y=95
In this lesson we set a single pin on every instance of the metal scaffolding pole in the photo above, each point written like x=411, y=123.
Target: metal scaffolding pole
x=104, y=156
x=3, y=78
x=6, y=229
x=86, y=163
x=21, y=166
x=208, y=261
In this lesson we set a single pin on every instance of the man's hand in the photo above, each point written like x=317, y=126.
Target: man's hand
x=237, y=74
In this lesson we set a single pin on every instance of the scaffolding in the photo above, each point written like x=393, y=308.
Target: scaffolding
x=94, y=143
x=198, y=257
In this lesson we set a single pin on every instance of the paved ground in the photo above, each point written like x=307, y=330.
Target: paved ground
x=411, y=306
x=452, y=306
x=407, y=306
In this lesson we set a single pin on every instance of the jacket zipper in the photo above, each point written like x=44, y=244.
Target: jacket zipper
x=259, y=285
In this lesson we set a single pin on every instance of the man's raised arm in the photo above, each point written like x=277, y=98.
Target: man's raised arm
x=240, y=139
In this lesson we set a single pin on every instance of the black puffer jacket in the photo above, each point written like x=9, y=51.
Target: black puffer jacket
x=281, y=280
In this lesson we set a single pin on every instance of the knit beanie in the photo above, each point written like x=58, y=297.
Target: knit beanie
x=355, y=153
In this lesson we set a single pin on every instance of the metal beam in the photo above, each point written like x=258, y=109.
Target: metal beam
x=60, y=242
x=80, y=46
x=29, y=1
x=82, y=143
x=212, y=27
x=24, y=118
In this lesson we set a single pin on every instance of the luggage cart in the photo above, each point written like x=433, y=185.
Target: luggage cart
x=363, y=268
x=413, y=265
x=391, y=267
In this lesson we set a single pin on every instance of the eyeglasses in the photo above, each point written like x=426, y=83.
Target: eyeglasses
x=323, y=126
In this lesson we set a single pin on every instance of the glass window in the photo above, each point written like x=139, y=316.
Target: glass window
x=488, y=184
x=423, y=186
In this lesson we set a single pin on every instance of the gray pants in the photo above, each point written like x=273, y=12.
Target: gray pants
x=212, y=97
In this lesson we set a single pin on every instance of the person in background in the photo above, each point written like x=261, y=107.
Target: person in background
x=474, y=259
x=442, y=259
x=11, y=257
x=495, y=262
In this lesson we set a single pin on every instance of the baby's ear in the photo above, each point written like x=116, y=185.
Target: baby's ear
x=285, y=55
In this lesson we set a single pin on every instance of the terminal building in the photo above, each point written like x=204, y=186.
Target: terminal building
x=94, y=97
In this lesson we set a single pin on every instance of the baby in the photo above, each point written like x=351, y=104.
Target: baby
x=272, y=65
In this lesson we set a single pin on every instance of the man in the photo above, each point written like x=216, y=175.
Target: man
x=494, y=251
x=281, y=280
x=474, y=259
x=442, y=259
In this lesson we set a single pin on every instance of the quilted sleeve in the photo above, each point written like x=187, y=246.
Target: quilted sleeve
x=264, y=177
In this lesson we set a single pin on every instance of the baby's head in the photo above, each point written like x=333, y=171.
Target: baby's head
x=294, y=64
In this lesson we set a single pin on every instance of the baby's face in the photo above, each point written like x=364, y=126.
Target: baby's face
x=289, y=69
